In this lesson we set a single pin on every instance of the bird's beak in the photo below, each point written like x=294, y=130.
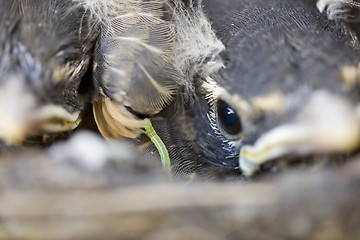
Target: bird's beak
x=328, y=124
x=22, y=116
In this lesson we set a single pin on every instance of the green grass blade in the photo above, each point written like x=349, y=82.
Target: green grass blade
x=160, y=146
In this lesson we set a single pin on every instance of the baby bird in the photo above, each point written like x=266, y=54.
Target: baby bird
x=45, y=50
x=288, y=92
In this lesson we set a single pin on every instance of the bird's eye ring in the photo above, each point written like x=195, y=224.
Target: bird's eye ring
x=228, y=120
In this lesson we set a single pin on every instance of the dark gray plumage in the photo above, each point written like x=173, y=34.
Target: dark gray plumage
x=45, y=49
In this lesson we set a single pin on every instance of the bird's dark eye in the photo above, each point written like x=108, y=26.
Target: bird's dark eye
x=227, y=118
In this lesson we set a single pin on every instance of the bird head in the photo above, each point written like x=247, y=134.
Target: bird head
x=45, y=49
x=288, y=91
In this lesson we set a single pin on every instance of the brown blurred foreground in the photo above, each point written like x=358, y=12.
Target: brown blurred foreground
x=42, y=199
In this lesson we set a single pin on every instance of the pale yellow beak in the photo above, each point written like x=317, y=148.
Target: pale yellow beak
x=21, y=116
x=327, y=124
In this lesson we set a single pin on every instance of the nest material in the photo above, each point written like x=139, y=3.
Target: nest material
x=93, y=205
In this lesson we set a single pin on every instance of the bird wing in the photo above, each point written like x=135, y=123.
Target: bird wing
x=134, y=67
x=147, y=52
